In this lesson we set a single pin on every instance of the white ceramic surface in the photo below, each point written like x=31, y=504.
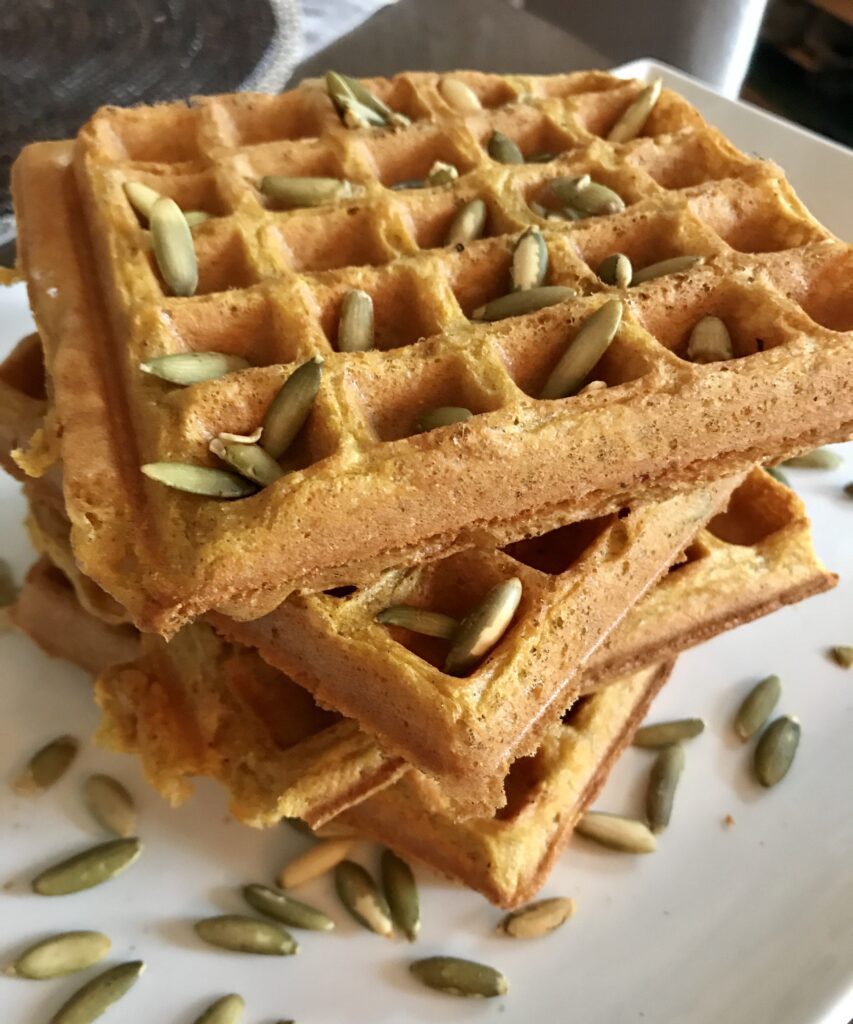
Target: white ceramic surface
x=749, y=924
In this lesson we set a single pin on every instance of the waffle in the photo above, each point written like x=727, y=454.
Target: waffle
x=368, y=493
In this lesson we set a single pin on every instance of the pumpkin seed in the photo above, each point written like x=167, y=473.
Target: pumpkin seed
x=290, y=408
x=284, y=908
x=141, y=198
x=583, y=353
x=60, y=955
x=459, y=96
x=196, y=217
x=529, y=261
x=630, y=122
x=419, y=620
x=757, y=706
x=483, y=627
x=252, y=438
x=173, y=247
x=299, y=192
x=443, y=416
x=401, y=894
x=662, y=734
x=537, y=919
x=314, y=862
x=97, y=995
x=372, y=102
x=820, y=458
x=408, y=183
x=616, y=832
x=458, y=977
x=47, y=766
x=774, y=753
x=710, y=341
x=675, y=265
x=468, y=224
x=183, y=476
x=355, y=326
x=567, y=213
x=616, y=270
x=541, y=158
x=85, y=870
x=663, y=782
x=241, y=934
x=227, y=1010
x=521, y=303
x=362, y=898
x=778, y=475
x=193, y=367
x=250, y=461
x=355, y=113
x=587, y=196
x=501, y=148
x=441, y=174
x=842, y=656
x=110, y=805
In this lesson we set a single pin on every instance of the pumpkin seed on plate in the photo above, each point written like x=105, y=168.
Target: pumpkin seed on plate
x=663, y=781
x=820, y=458
x=47, y=766
x=631, y=121
x=401, y=894
x=214, y=483
x=842, y=656
x=362, y=898
x=110, y=805
x=314, y=862
x=662, y=734
x=85, y=870
x=458, y=977
x=241, y=934
x=483, y=627
x=98, y=995
x=60, y=955
x=227, y=1010
x=193, y=367
x=774, y=753
x=537, y=919
x=291, y=407
x=778, y=475
x=286, y=909
x=757, y=706
x=583, y=353
x=616, y=832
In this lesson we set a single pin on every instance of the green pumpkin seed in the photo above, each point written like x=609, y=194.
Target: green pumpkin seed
x=47, y=766
x=85, y=870
x=842, y=656
x=778, y=475
x=284, y=908
x=663, y=782
x=408, y=183
x=583, y=353
x=8, y=588
x=372, y=102
x=501, y=148
x=419, y=620
x=710, y=341
x=529, y=261
x=110, y=805
x=441, y=174
x=241, y=934
x=173, y=248
x=443, y=416
x=315, y=862
x=458, y=95
x=193, y=367
x=541, y=158
x=617, y=833
x=355, y=327
x=567, y=213
x=587, y=196
x=300, y=192
x=521, y=303
x=183, y=476
x=537, y=919
x=141, y=198
x=401, y=894
x=774, y=753
x=99, y=994
x=483, y=627
x=227, y=1010
x=616, y=270
x=675, y=265
x=354, y=113
x=291, y=407
x=196, y=217
x=60, y=955
x=468, y=224
x=457, y=977
x=362, y=898
x=662, y=734
x=757, y=706
x=250, y=461
x=820, y=458
x=630, y=122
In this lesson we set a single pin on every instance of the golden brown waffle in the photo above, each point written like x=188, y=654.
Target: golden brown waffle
x=371, y=494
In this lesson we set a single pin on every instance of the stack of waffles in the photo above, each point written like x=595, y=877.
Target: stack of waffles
x=424, y=600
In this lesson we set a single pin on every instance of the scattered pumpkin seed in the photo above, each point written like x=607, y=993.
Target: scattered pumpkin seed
x=314, y=862
x=566, y=213
x=458, y=977
x=47, y=766
x=8, y=587
x=483, y=627
x=443, y=416
x=355, y=113
x=286, y=909
x=419, y=620
x=661, y=734
x=616, y=270
x=290, y=408
x=85, y=870
x=183, y=476
x=537, y=919
x=141, y=197
x=616, y=832
x=362, y=898
x=441, y=173
x=521, y=303
x=196, y=217
x=710, y=341
x=757, y=706
x=774, y=753
x=250, y=461
x=529, y=266
x=778, y=475
x=193, y=367
x=110, y=805
x=587, y=196
x=675, y=265
x=241, y=934
x=501, y=148
x=355, y=326
x=459, y=96
x=630, y=122
x=468, y=224
x=820, y=458
x=372, y=102
x=583, y=353
x=173, y=247
x=99, y=994
x=227, y=1010
x=299, y=192
x=401, y=894
x=60, y=955
x=663, y=782
x=842, y=656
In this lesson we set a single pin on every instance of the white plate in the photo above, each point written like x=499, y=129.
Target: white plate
x=745, y=925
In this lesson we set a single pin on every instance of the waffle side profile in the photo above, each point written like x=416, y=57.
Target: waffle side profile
x=364, y=490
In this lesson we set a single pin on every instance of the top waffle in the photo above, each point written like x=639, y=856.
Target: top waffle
x=368, y=492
